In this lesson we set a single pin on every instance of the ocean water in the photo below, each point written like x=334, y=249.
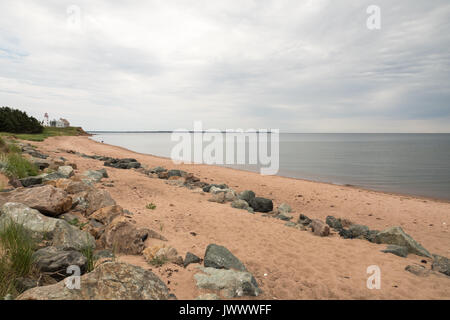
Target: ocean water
x=415, y=164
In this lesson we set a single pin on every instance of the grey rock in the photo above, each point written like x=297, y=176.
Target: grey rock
x=397, y=250
x=55, y=261
x=371, y=235
x=30, y=181
x=358, y=231
x=290, y=224
x=208, y=187
x=304, y=220
x=50, y=176
x=174, y=173
x=191, y=258
x=57, y=231
x=220, y=257
x=441, y=264
x=247, y=195
x=23, y=284
x=94, y=175
x=240, y=204
x=285, y=216
x=230, y=283
x=158, y=170
x=284, y=208
x=109, y=281
x=419, y=271
x=334, y=223
x=66, y=171
x=261, y=204
x=396, y=235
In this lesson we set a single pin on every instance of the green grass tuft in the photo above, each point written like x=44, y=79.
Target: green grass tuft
x=151, y=206
x=48, y=132
x=16, y=251
x=88, y=252
x=14, y=165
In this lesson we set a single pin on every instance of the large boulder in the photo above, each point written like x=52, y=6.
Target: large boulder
x=107, y=214
x=124, y=237
x=50, y=176
x=55, y=261
x=109, y=281
x=95, y=175
x=261, y=204
x=220, y=257
x=396, y=235
x=97, y=199
x=47, y=199
x=57, y=232
x=441, y=264
x=230, y=283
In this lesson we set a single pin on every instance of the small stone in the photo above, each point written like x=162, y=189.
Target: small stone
x=246, y=195
x=261, y=204
x=191, y=258
x=304, y=220
x=419, y=271
x=319, y=228
x=220, y=257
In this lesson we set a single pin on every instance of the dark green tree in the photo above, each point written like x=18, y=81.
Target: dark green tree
x=16, y=121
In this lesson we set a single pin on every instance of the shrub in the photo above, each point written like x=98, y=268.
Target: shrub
x=14, y=165
x=16, y=121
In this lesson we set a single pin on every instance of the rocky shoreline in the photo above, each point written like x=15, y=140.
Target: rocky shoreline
x=66, y=213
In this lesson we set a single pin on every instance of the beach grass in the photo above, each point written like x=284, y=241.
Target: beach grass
x=14, y=165
x=48, y=132
x=16, y=256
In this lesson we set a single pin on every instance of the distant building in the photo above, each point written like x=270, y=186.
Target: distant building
x=61, y=123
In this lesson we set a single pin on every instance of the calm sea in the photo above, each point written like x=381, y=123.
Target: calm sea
x=416, y=164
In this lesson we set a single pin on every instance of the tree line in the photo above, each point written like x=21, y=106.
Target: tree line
x=16, y=121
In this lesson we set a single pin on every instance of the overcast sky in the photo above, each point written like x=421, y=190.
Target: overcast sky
x=300, y=66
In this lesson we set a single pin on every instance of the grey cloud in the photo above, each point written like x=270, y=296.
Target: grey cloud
x=295, y=65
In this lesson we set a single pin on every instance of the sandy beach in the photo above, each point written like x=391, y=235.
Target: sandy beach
x=287, y=263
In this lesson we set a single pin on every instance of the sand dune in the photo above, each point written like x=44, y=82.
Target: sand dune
x=287, y=263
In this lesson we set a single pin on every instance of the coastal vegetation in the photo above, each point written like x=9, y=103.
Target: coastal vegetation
x=16, y=121
x=12, y=163
x=16, y=256
x=46, y=132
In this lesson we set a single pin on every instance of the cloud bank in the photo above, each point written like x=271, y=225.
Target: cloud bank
x=300, y=66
